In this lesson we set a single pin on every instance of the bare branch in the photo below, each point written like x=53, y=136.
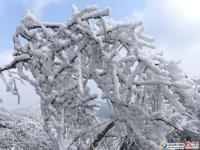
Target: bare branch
x=101, y=135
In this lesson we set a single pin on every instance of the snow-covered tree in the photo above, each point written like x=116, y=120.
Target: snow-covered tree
x=148, y=96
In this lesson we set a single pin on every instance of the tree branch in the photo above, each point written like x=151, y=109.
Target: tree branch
x=47, y=25
x=101, y=135
x=15, y=62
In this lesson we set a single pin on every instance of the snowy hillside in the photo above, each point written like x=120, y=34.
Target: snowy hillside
x=18, y=132
x=33, y=111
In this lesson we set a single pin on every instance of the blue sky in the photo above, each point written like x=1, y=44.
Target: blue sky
x=175, y=25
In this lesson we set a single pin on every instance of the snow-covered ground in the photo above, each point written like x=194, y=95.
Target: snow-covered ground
x=18, y=131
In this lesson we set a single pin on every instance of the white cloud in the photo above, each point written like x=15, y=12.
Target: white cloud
x=5, y=57
x=176, y=30
x=37, y=6
x=190, y=8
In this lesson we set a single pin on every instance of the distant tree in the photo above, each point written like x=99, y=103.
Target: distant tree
x=148, y=96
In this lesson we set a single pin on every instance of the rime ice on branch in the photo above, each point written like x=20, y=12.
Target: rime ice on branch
x=147, y=95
